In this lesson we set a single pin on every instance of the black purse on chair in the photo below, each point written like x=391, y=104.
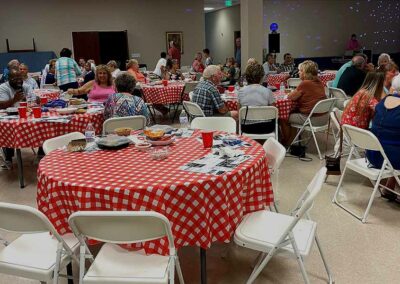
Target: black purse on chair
x=332, y=163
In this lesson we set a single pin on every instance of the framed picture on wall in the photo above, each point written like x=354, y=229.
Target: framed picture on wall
x=177, y=38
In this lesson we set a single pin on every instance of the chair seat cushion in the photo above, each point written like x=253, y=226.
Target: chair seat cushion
x=114, y=264
x=363, y=167
x=33, y=255
x=262, y=229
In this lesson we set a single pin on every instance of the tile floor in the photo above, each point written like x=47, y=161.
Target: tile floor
x=356, y=252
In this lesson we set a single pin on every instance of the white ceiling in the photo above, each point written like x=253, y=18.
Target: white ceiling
x=218, y=4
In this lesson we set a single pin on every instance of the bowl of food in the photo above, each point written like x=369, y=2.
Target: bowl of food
x=143, y=146
x=159, y=153
x=68, y=110
x=77, y=145
x=123, y=131
x=154, y=134
x=76, y=101
x=80, y=111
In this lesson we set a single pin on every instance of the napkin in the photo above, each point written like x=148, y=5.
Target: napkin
x=229, y=152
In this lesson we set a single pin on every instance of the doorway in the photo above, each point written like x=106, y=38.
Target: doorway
x=102, y=46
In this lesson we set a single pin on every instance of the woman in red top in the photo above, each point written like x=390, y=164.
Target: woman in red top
x=197, y=64
x=132, y=66
x=360, y=110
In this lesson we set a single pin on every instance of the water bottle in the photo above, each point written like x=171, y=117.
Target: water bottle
x=237, y=87
x=183, y=119
x=89, y=133
x=282, y=89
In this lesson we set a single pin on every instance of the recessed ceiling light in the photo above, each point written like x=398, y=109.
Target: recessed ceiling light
x=208, y=8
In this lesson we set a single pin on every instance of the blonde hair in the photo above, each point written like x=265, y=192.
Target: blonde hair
x=310, y=69
x=104, y=68
x=131, y=62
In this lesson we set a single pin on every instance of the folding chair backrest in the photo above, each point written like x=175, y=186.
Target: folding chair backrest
x=227, y=124
x=121, y=226
x=345, y=103
x=323, y=106
x=193, y=109
x=362, y=138
x=60, y=141
x=338, y=93
x=135, y=122
x=306, y=201
x=275, y=153
x=189, y=86
x=293, y=82
x=334, y=118
x=258, y=113
x=329, y=84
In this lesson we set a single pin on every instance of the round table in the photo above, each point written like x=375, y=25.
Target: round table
x=202, y=208
x=51, y=95
x=163, y=95
x=276, y=79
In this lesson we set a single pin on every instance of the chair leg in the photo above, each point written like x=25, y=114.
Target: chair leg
x=371, y=199
x=257, y=270
x=70, y=273
x=334, y=200
x=330, y=278
x=316, y=144
x=299, y=259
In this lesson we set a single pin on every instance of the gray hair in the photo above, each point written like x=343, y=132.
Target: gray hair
x=125, y=83
x=13, y=64
x=382, y=57
x=112, y=63
x=358, y=61
x=210, y=71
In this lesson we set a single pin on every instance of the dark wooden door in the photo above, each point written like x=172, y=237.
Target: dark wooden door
x=86, y=45
x=114, y=46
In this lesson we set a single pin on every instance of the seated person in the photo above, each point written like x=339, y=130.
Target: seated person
x=307, y=94
x=113, y=66
x=50, y=76
x=13, y=64
x=162, y=62
x=99, y=89
x=206, y=94
x=360, y=110
x=353, y=77
x=29, y=81
x=171, y=71
x=124, y=103
x=383, y=60
x=386, y=127
x=270, y=66
x=132, y=67
x=288, y=63
x=11, y=93
x=231, y=71
x=89, y=74
x=197, y=65
x=390, y=70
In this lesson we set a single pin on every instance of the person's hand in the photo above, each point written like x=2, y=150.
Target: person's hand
x=369, y=67
x=71, y=91
x=19, y=96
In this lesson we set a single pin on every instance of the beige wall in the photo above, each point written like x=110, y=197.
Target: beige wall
x=220, y=27
x=51, y=23
x=313, y=28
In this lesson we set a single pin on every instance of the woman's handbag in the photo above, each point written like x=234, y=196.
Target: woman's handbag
x=332, y=163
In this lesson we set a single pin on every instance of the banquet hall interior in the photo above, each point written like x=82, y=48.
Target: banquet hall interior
x=199, y=141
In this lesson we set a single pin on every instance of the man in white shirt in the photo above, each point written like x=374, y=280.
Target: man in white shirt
x=161, y=64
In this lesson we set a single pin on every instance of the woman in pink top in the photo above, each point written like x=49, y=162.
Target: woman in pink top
x=99, y=89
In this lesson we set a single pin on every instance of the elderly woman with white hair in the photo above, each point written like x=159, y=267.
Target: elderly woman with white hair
x=206, y=93
x=132, y=67
x=383, y=60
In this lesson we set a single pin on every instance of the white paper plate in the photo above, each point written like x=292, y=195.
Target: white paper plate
x=68, y=110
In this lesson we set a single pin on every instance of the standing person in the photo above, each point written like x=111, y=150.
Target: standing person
x=353, y=43
x=162, y=62
x=197, y=64
x=13, y=64
x=353, y=77
x=67, y=71
x=208, y=60
x=238, y=53
x=29, y=81
x=288, y=63
x=174, y=52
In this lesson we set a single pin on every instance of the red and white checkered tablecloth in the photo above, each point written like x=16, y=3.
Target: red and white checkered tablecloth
x=284, y=106
x=325, y=77
x=202, y=208
x=51, y=95
x=159, y=94
x=26, y=133
x=276, y=79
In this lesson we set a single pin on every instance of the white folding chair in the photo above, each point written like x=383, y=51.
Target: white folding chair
x=142, y=69
x=293, y=82
x=329, y=83
x=50, y=87
x=275, y=153
x=114, y=264
x=193, y=110
x=135, y=122
x=226, y=124
x=365, y=139
x=271, y=232
x=323, y=106
x=58, y=142
x=259, y=114
x=346, y=102
x=191, y=95
x=340, y=95
x=39, y=253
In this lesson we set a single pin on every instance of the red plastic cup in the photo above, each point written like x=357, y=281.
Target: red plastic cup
x=23, y=104
x=278, y=86
x=43, y=101
x=22, y=111
x=165, y=83
x=37, y=112
x=231, y=88
x=207, y=137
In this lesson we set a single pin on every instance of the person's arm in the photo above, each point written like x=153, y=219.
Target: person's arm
x=218, y=103
x=82, y=90
x=77, y=69
x=9, y=103
x=298, y=92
